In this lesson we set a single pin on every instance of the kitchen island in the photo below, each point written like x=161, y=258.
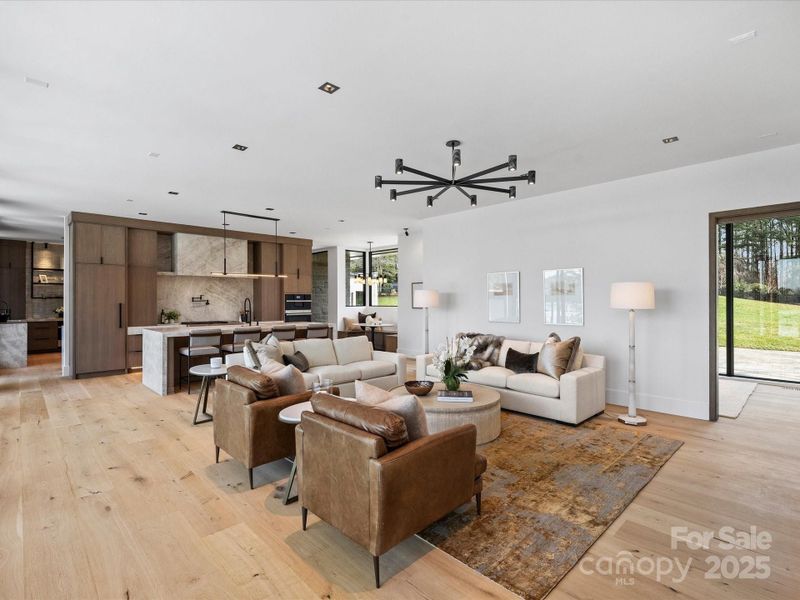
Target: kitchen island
x=160, y=344
x=13, y=344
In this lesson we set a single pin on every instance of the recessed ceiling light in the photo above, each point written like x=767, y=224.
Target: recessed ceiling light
x=239, y=147
x=328, y=87
x=341, y=220
x=153, y=154
x=39, y=82
x=269, y=208
x=129, y=200
x=143, y=214
x=738, y=39
x=173, y=193
x=670, y=140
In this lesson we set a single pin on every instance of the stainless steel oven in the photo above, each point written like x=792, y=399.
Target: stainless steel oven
x=297, y=308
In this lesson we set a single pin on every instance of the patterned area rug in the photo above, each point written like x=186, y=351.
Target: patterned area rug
x=549, y=492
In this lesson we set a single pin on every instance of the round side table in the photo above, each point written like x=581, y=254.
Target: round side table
x=207, y=373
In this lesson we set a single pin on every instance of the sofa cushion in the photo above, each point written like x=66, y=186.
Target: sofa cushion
x=351, y=349
x=370, y=369
x=318, y=352
x=518, y=345
x=310, y=379
x=383, y=423
x=493, y=376
x=519, y=362
x=337, y=373
x=263, y=386
x=534, y=383
x=290, y=381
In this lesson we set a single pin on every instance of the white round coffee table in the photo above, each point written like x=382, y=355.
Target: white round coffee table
x=207, y=372
x=483, y=411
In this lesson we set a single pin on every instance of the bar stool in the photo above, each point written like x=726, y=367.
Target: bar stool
x=202, y=342
x=317, y=330
x=285, y=333
x=240, y=335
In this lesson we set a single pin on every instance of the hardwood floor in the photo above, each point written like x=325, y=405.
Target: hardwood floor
x=107, y=491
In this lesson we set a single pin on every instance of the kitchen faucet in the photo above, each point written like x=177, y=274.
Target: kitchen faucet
x=248, y=311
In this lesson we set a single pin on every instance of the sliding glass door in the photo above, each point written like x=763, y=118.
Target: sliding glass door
x=758, y=307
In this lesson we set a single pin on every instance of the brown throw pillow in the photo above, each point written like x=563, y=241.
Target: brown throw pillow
x=519, y=362
x=555, y=357
x=263, y=386
x=298, y=359
x=362, y=317
x=383, y=423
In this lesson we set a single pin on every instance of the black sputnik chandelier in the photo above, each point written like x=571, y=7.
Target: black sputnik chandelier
x=475, y=181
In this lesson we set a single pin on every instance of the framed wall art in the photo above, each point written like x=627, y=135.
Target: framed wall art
x=503, y=296
x=563, y=296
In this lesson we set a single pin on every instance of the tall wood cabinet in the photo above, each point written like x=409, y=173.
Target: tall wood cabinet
x=297, y=265
x=100, y=306
x=142, y=277
x=267, y=292
x=12, y=276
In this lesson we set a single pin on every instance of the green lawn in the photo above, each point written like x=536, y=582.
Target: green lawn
x=387, y=301
x=761, y=325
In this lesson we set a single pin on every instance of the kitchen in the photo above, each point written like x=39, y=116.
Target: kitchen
x=136, y=279
x=31, y=300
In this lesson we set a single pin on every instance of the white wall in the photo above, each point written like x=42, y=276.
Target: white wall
x=653, y=227
x=411, y=322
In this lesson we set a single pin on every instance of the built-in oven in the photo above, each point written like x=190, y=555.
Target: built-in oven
x=297, y=308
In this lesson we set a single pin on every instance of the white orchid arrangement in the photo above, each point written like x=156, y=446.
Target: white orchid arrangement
x=451, y=360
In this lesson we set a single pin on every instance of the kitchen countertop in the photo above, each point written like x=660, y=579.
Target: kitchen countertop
x=183, y=330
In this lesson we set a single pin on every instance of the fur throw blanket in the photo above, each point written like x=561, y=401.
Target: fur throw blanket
x=487, y=349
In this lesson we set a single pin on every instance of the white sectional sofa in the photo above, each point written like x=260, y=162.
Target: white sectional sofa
x=575, y=397
x=343, y=361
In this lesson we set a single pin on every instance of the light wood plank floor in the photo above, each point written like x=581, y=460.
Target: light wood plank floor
x=107, y=491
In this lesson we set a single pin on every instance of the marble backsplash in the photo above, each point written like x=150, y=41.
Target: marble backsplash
x=225, y=296
x=202, y=254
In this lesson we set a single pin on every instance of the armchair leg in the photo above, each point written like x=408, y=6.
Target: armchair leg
x=250, y=474
x=377, y=567
x=478, y=502
x=304, y=515
x=217, y=458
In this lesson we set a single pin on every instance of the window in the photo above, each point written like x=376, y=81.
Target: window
x=383, y=278
x=355, y=284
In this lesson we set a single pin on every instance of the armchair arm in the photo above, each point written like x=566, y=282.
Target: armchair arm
x=400, y=361
x=419, y=483
x=583, y=394
x=423, y=360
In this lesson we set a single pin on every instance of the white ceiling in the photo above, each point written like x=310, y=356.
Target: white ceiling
x=581, y=92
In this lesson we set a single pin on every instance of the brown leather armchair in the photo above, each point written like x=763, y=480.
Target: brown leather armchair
x=248, y=428
x=376, y=496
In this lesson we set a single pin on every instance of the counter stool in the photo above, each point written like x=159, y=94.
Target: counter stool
x=240, y=334
x=285, y=333
x=317, y=331
x=202, y=342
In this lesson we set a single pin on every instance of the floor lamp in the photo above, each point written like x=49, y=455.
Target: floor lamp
x=632, y=296
x=426, y=299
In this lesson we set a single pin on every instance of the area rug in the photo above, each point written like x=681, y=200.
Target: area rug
x=733, y=395
x=549, y=492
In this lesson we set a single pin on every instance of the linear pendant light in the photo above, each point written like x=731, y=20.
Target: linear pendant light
x=240, y=275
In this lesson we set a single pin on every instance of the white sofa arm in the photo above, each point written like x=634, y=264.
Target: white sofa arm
x=583, y=394
x=423, y=360
x=400, y=361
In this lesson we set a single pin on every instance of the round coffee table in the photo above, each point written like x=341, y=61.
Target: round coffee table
x=483, y=411
x=207, y=372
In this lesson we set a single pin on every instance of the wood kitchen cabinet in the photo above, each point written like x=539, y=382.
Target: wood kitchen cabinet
x=100, y=333
x=12, y=276
x=99, y=244
x=142, y=277
x=267, y=292
x=297, y=265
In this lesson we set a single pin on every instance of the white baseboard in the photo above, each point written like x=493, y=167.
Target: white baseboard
x=662, y=404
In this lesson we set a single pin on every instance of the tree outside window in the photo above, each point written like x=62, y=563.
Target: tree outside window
x=382, y=280
x=355, y=282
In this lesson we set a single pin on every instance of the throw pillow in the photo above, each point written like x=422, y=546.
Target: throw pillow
x=351, y=325
x=271, y=366
x=370, y=394
x=383, y=423
x=263, y=386
x=290, y=380
x=576, y=360
x=268, y=348
x=362, y=317
x=519, y=362
x=250, y=356
x=554, y=357
x=298, y=359
x=373, y=320
x=410, y=408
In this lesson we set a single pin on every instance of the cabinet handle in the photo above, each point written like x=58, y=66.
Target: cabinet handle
x=298, y=272
x=101, y=260
x=120, y=315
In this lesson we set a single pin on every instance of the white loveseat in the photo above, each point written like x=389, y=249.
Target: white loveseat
x=343, y=361
x=575, y=397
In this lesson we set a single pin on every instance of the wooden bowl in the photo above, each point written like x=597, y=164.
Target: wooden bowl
x=419, y=388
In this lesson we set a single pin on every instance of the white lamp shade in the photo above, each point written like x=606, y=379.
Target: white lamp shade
x=426, y=298
x=636, y=295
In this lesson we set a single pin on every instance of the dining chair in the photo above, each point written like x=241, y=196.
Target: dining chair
x=240, y=336
x=285, y=333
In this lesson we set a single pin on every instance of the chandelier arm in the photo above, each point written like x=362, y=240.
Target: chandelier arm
x=435, y=186
x=424, y=174
x=485, y=188
x=484, y=172
x=406, y=182
x=499, y=179
x=460, y=189
x=442, y=191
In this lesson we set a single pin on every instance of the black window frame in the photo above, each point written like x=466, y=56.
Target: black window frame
x=364, y=286
x=371, y=271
